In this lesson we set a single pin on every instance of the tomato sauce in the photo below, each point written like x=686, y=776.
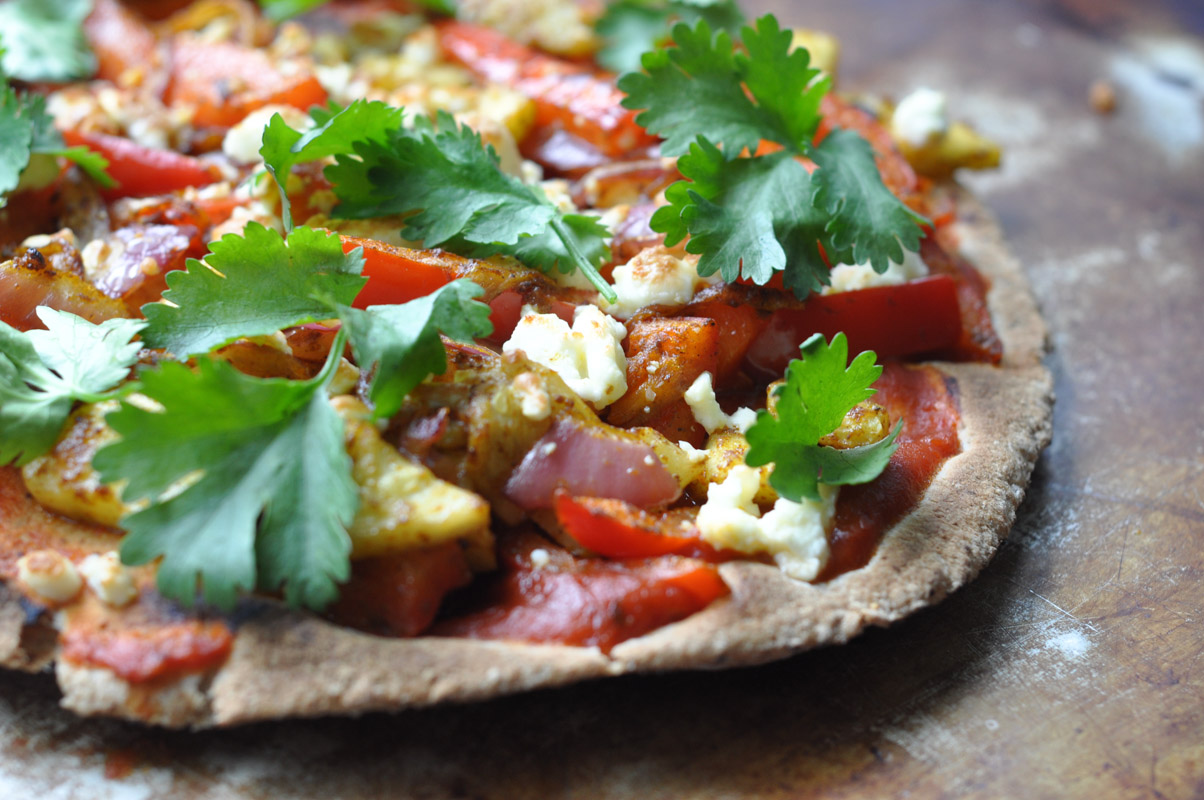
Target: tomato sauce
x=927, y=402
x=581, y=601
x=149, y=652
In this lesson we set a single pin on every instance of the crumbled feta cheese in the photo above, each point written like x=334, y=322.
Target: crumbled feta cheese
x=920, y=117
x=109, y=579
x=536, y=403
x=701, y=399
x=847, y=277
x=654, y=277
x=794, y=534
x=49, y=575
x=692, y=453
x=243, y=141
x=588, y=357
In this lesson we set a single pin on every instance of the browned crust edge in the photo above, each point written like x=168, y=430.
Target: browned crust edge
x=289, y=664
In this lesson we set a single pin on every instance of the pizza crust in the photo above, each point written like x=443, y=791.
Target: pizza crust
x=286, y=663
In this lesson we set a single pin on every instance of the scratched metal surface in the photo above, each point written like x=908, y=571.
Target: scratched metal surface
x=1071, y=668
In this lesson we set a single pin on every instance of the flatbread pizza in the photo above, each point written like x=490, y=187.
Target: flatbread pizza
x=396, y=354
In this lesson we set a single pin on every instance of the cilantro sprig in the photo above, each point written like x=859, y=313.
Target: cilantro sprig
x=252, y=285
x=630, y=28
x=31, y=144
x=260, y=282
x=445, y=180
x=43, y=40
x=759, y=215
x=283, y=9
x=246, y=480
x=44, y=372
x=268, y=482
x=819, y=391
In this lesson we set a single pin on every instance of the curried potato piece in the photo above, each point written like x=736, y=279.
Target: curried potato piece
x=403, y=506
x=959, y=147
x=63, y=479
x=664, y=357
x=866, y=423
x=725, y=450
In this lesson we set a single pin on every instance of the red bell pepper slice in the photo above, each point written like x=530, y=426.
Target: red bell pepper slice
x=141, y=171
x=120, y=39
x=399, y=275
x=225, y=81
x=399, y=595
x=920, y=316
x=582, y=601
x=582, y=102
x=616, y=529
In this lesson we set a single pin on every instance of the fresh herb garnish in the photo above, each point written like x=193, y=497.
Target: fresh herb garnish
x=30, y=140
x=43, y=40
x=446, y=180
x=268, y=483
x=819, y=391
x=252, y=285
x=402, y=342
x=247, y=479
x=336, y=131
x=755, y=216
x=630, y=28
x=44, y=372
x=278, y=10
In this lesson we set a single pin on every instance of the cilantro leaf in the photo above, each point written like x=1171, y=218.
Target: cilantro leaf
x=450, y=184
x=336, y=132
x=402, y=342
x=278, y=10
x=748, y=216
x=43, y=373
x=737, y=99
x=16, y=131
x=818, y=392
x=44, y=40
x=226, y=455
x=868, y=223
x=630, y=28
x=28, y=132
x=757, y=216
x=252, y=285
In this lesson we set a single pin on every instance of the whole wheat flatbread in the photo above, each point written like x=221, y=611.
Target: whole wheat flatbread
x=287, y=663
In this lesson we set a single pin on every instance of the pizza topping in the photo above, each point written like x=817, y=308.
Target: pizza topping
x=402, y=505
x=454, y=190
x=819, y=391
x=654, y=277
x=849, y=277
x=794, y=533
x=31, y=143
x=108, y=578
x=44, y=40
x=920, y=117
x=63, y=479
x=701, y=399
x=558, y=597
x=49, y=575
x=630, y=28
x=44, y=372
x=758, y=216
x=588, y=356
x=597, y=463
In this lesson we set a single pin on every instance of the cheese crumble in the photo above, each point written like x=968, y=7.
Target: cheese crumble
x=589, y=356
x=794, y=534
